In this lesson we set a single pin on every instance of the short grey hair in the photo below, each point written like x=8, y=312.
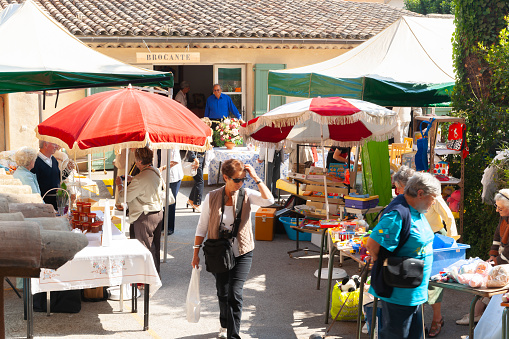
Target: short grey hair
x=402, y=175
x=502, y=197
x=218, y=85
x=24, y=156
x=42, y=143
x=425, y=182
x=184, y=84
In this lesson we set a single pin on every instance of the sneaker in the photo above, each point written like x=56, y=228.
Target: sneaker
x=222, y=333
x=466, y=319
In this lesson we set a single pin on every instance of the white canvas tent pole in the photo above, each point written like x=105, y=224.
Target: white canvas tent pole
x=39, y=95
x=324, y=165
x=89, y=165
x=266, y=166
x=167, y=190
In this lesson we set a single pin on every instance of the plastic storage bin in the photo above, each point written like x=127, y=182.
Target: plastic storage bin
x=292, y=234
x=361, y=203
x=443, y=257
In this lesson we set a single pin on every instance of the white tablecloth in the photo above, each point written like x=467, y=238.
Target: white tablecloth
x=124, y=262
x=221, y=154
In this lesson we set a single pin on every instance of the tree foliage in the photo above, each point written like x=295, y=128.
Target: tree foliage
x=480, y=56
x=430, y=6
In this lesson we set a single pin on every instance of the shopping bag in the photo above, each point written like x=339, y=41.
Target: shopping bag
x=456, y=136
x=193, y=296
x=421, y=157
x=187, y=166
x=490, y=326
x=350, y=301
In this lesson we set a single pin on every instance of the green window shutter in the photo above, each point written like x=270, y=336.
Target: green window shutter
x=261, y=89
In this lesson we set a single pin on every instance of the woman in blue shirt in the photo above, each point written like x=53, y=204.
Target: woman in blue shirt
x=401, y=312
x=25, y=159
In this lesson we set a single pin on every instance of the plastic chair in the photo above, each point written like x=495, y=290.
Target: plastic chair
x=395, y=153
x=409, y=142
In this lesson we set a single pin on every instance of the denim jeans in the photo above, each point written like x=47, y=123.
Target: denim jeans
x=400, y=322
x=229, y=287
x=274, y=172
x=197, y=190
x=174, y=186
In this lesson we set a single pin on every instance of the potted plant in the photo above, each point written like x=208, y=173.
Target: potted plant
x=227, y=133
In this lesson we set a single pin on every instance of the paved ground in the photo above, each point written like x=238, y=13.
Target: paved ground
x=280, y=298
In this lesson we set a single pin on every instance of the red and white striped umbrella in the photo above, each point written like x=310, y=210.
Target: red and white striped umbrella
x=334, y=121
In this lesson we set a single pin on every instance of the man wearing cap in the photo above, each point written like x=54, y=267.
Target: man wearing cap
x=181, y=95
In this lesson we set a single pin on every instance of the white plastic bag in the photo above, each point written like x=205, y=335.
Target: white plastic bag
x=193, y=296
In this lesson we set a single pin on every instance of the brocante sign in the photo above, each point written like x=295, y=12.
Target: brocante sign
x=164, y=58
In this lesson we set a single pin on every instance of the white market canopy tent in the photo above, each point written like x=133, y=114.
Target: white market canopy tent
x=410, y=63
x=39, y=54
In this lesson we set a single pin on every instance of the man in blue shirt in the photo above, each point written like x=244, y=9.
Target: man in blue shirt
x=220, y=105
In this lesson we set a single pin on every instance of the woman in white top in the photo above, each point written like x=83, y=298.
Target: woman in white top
x=216, y=221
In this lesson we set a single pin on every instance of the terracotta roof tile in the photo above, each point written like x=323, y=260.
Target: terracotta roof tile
x=311, y=19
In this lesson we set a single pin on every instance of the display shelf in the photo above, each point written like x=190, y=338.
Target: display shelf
x=363, y=211
x=441, y=149
x=320, y=183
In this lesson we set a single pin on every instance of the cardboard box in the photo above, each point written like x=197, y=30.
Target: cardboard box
x=264, y=224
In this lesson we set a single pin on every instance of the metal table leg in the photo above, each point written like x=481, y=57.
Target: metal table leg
x=134, y=298
x=321, y=259
x=471, y=323
x=30, y=309
x=504, y=323
x=373, y=319
x=332, y=252
x=145, y=307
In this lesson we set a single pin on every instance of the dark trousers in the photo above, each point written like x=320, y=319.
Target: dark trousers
x=400, y=322
x=274, y=172
x=197, y=190
x=174, y=186
x=229, y=287
x=147, y=229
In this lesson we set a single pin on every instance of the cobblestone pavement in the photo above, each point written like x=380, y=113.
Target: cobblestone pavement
x=280, y=297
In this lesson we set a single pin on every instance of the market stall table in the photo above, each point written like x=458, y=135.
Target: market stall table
x=124, y=262
x=477, y=293
x=220, y=154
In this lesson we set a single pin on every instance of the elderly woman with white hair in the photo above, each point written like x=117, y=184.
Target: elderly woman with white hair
x=404, y=219
x=25, y=159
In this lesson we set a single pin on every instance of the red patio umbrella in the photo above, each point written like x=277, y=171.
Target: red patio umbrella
x=125, y=118
x=331, y=121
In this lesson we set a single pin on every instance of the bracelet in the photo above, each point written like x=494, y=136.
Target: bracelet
x=197, y=246
x=258, y=182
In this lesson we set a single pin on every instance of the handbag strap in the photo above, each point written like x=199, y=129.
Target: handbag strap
x=238, y=210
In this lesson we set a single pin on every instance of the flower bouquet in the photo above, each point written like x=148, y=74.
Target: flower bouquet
x=228, y=131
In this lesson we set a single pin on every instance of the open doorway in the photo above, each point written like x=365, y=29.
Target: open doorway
x=201, y=79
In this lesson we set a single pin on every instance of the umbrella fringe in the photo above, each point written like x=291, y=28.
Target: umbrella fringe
x=76, y=151
x=372, y=118
x=327, y=143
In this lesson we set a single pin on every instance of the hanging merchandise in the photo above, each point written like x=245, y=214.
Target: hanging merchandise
x=456, y=136
x=421, y=157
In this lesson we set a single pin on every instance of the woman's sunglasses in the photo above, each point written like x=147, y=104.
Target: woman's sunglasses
x=237, y=180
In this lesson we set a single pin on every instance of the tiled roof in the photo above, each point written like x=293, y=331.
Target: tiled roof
x=310, y=19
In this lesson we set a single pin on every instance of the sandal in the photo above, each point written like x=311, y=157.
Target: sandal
x=435, y=328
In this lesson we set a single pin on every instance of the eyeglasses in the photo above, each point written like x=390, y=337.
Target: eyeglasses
x=217, y=90
x=498, y=208
x=238, y=180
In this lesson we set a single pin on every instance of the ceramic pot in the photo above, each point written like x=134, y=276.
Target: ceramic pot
x=229, y=145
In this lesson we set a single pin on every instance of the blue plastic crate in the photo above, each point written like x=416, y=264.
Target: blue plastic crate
x=292, y=234
x=443, y=257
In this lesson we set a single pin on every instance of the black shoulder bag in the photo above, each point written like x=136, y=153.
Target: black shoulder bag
x=219, y=257
x=389, y=271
